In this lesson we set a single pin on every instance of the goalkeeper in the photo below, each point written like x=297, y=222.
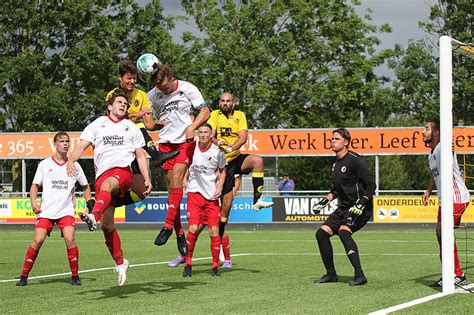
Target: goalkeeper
x=354, y=187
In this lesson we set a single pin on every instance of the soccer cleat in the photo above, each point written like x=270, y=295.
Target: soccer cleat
x=215, y=272
x=75, y=280
x=261, y=204
x=458, y=280
x=358, y=280
x=188, y=271
x=227, y=264
x=177, y=261
x=22, y=281
x=122, y=272
x=327, y=279
x=163, y=236
x=89, y=219
x=163, y=157
x=182, y=245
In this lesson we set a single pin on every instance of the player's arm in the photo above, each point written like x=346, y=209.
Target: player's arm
x=220, y=182
x=75, y=156
x=202, y=116
x=33, y=195
x=427, y=193
x=243, y=136
x=143, y=165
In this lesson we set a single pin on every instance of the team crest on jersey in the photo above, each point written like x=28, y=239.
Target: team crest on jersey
x=50, y=170
x=126, y=129
x=102, y=126
x=135, y=103
x=343, y=169
x=181, y=93
x=236, y=120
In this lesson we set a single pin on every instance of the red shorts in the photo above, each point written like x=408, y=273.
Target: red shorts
x=185, y=156
x=48, y=224
x=203, y=211
x=458, y=210
x=124, y=176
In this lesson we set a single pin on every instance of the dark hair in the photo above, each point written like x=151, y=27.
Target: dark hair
x=59, y=135
x=434, y=123
x=164, y=71
x=111, y=100
x=206, y=125
x=127, y=66
x=344, y=133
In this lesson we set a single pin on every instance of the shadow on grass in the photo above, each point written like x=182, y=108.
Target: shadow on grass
x=429, y=280
x=66, y=280
x=138, y=288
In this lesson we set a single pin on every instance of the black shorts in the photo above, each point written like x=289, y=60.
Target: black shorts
x=233, y=167
x=344, y=217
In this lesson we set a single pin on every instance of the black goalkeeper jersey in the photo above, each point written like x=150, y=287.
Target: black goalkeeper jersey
x=351, y=180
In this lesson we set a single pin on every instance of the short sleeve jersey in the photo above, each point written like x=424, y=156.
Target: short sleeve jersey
x=58, y=198
x=114, y=142
x=203, y=172
x=352, y=180
x=228, y=128
x=461, y=193
x=176, y=110
x=138, y=100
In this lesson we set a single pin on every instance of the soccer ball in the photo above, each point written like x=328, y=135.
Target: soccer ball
x=148, y=64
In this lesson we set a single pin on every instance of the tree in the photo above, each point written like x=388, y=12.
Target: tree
x=298, y=62
x=59, y=58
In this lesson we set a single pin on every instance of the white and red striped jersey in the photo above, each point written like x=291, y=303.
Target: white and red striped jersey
x=176, y=110
x=461, y=193
x=58, y=198
x=204, y=171
x=114, y=142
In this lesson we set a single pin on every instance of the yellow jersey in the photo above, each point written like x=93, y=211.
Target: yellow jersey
x=228, y=128
x=138, y=100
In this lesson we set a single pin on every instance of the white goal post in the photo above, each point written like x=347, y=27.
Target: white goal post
x=447, y=45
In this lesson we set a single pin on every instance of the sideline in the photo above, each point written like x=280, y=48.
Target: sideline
x=410, y=304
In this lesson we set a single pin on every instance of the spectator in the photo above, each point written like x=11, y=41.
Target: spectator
x=286, y=186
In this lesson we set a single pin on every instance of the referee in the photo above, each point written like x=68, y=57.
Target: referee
x=354, y=187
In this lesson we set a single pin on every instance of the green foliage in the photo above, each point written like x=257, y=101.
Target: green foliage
x=60, y=57
x=291, y=64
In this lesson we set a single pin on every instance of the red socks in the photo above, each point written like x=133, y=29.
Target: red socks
x=73, y=257
x=226, y=247
x=173, y=216
x=102, y=201
x=215, y=249
x=30, y=258
x=457, y=265
x=191, y=239
x=112, y=240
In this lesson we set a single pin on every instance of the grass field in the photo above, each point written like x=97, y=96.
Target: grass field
x=273, y=273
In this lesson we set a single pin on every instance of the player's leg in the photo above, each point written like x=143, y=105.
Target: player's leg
x=135, y=194
x=212, y=212
x=43, y=227
x=157, y=157
x=66, y=224
x=323, y=235
x=195, y=215
x=106, y=186
x=175, y=179
x=114, y=244
x=254, y=164
x=191, y=239
x=352, y=252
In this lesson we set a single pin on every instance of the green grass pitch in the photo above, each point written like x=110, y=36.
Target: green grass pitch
x=273, y=273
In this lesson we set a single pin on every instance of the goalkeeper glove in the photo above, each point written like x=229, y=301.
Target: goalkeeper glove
x=320, y=205
x=90, y=205
x=358, y=208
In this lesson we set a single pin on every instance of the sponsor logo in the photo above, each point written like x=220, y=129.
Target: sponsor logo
x=394, y=214
x=343, y=169
x=381, y=213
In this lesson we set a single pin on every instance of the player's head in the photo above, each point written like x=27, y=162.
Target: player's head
x=61, y=142
x=341, y=139
x=205, y=134
x=226, y=102
x=127, y=74
x=163, y=79
x=431, y=132
x=117, y=105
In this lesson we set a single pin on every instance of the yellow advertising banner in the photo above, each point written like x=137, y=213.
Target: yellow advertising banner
x=20, y=211
x=403, y=209
x=274, y=142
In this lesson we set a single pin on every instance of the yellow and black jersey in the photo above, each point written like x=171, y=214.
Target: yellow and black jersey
x=138, y=100
x=228, y=128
